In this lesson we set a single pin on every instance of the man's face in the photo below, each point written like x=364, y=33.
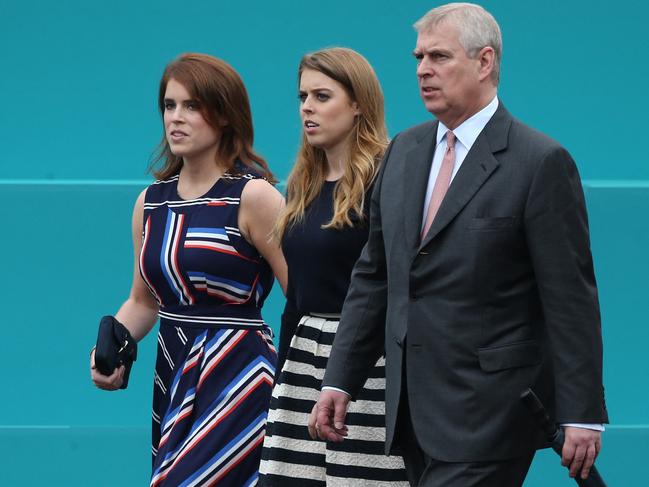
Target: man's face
x=449, y=81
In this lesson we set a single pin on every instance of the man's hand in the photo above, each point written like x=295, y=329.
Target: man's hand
x=580, y=449
x=327, y=418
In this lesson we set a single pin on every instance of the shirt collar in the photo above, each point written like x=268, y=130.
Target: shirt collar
x=467, y=132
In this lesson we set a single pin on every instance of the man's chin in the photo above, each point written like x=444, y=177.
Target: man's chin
x=433, y=106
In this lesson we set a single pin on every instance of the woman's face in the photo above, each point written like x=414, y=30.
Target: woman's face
x=188, y=133
x=328, y=114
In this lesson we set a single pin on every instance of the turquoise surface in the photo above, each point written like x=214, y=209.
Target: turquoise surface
x=78, y=125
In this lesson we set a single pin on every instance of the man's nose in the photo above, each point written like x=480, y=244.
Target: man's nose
x=424, y=68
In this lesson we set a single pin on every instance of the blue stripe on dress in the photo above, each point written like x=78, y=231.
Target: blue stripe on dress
x=221, y=280
x=230, y=449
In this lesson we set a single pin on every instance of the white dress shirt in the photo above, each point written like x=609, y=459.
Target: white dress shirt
x=465, y=135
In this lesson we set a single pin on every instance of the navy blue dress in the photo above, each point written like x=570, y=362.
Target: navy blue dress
x=216, y=361
x=320, y=263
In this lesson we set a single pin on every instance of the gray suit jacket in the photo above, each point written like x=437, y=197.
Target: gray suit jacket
x=499, y=296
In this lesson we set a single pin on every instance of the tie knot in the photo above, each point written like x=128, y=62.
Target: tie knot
x=450, y=140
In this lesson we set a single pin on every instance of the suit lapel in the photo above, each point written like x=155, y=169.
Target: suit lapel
x=476, y=168
x=418, y=162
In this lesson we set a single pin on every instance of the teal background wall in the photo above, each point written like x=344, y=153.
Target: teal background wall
x=78, y=123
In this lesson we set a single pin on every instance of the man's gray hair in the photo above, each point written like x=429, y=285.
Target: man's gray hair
x=476, y=27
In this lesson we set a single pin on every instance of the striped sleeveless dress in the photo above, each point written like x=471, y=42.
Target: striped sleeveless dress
x=215, y=360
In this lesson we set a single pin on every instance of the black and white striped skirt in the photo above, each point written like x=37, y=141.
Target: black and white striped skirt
x=290, y=457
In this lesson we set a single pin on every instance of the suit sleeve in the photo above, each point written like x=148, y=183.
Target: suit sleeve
x=360, y=338
x=556, y=227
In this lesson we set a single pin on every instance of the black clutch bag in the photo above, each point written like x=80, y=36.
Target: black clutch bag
x=115, y=347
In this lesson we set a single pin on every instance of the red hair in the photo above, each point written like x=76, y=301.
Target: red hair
x=219, y=90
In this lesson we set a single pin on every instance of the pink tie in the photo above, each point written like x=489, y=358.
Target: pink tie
x=441, y=183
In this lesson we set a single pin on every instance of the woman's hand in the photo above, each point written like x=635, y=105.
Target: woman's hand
x=106, y=382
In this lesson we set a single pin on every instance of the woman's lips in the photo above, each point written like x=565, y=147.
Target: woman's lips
x=310, y=127
x=177, y=135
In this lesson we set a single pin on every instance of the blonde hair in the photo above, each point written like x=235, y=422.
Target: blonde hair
x=368, y=141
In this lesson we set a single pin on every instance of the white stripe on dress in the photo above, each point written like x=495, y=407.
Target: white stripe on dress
x=279, y=450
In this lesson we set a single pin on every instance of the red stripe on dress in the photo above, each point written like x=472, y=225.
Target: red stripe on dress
x=251, y=448
x=194, y=363
x=258, y=382
x=165, y=438
x=221, y=355
x=225, y=297
x=179, y=229
x=189, y=245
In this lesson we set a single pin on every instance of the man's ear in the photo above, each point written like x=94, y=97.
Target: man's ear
x=487, y=58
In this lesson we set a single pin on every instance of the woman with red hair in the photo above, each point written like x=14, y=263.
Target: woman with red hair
x=204, y=264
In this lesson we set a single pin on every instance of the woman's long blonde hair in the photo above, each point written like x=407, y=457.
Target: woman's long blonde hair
x=368, y=141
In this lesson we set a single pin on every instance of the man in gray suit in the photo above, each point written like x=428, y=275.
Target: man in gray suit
x=477, y=281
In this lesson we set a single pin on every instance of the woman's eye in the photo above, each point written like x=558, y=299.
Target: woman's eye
x=322, y=97
x=301, y=97
x=169, y=105
x=192, y=106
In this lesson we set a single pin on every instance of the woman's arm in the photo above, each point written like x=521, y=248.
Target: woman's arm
x=139, y=312
x=260, y=206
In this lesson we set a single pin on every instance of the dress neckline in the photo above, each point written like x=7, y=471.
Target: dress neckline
x=205, y=195
x=228, y=174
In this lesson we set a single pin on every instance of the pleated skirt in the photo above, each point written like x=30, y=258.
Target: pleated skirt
x=290, y=457
x=212, y=390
